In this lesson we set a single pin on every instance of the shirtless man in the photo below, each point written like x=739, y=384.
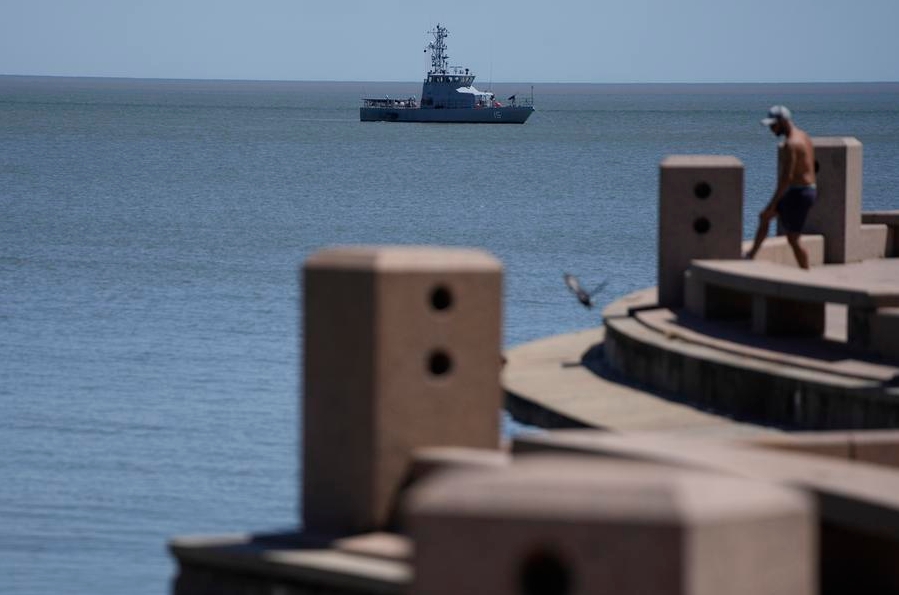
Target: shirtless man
x=795, y=193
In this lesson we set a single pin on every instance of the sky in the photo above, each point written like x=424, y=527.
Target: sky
x=581, y=41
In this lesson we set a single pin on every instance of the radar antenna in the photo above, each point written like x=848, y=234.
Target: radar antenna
x=439, y=59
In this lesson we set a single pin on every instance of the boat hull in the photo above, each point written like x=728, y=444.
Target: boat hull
x=486, y=115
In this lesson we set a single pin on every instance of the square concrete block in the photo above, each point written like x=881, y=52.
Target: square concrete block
x=837, y=211
x=891, y=220
x=874, y=241
x=401, y=351
x=566, y=524
x=700, y=216
x=860, y=502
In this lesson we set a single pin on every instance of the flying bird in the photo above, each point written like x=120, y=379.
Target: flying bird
x=582, y=294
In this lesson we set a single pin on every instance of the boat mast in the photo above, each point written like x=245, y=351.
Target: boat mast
x=439, y=59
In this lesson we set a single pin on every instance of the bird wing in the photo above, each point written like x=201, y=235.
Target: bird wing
x=572, y=283
x=599, y=287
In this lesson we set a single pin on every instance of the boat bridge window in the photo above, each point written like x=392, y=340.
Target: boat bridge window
x=466, y=80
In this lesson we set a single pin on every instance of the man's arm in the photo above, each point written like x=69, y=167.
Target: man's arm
x=783, y=179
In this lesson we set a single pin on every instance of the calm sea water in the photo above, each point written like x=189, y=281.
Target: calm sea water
x=150, y=237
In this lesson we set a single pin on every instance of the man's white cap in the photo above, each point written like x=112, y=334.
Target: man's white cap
x=777, y=112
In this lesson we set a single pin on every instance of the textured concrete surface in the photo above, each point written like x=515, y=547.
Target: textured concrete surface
x=878, y=447
x=870, y=283
x=552, y=375
x=830, y=356
x=857, y=495
x=837, y=211
x=661, y=359
x=858, y=503
x=700, y=216
x=557, y=524
x=402, y=349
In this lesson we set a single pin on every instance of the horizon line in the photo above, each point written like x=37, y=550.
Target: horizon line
x=344, y=81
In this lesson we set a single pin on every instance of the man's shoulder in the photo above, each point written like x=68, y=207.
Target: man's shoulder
x=803, y=136
x=799, y=139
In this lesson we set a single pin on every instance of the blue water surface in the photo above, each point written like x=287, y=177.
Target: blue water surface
x=150, y=240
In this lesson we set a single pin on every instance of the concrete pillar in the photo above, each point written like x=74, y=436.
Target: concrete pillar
x=837, y=211
x=700, y=216
x=891, y=220
x=567, y=524
x=402, y=351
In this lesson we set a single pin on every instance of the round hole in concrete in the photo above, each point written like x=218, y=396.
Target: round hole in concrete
x=441, y=298
x=439, y=363
x=702, y=190
x=544, y=573
x=701, y=225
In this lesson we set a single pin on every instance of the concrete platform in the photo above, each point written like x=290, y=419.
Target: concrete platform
x=563, y=382
x=666, y=370
x=781, y=300
x=870, y=283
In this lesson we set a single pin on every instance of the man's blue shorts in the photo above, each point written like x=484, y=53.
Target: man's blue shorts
x=792, y=209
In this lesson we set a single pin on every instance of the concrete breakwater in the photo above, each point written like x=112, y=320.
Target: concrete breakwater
x=410, y=488
x=762, y=339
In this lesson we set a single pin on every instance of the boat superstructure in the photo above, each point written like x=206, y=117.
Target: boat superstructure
x=447, y=95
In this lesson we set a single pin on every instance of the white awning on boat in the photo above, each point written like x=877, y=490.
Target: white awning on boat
x=471, y=91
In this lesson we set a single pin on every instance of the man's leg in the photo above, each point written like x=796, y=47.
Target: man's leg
x=760, y=234
x=798, y=251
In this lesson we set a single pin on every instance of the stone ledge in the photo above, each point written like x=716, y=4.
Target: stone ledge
x=853, y=495
x=563, y=382
x=768, y=392
x=296, y=563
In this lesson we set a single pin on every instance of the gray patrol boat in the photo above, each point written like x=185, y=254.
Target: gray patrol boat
x=447, y=95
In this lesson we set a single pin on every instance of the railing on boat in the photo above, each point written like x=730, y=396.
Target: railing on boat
x=409, y=102
x=514, y=101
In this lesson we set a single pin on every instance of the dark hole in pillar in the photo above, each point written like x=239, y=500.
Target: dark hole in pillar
x=702, y=190
x=439, y=363
x=544, y=573
x=701, y=225
x=441, y=298
x=817, y=166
